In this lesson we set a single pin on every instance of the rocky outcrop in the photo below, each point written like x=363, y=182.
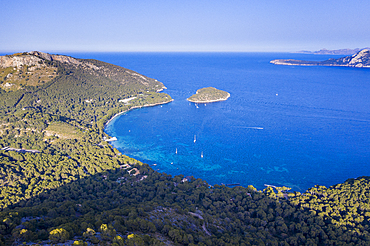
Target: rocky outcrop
x=63, y=59
x=25, y=70
x=60, y=58
x=360, y=59
x=18, y=61
x=35, y=58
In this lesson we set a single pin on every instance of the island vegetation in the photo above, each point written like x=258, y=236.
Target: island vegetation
x=209, y=94
x=61, y=182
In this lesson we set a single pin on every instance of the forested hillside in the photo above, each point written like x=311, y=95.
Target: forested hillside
x=62, y=183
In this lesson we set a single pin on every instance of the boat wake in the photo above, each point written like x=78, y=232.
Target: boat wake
x=254, y=127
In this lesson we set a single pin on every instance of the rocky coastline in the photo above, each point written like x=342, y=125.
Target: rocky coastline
x=361, y=60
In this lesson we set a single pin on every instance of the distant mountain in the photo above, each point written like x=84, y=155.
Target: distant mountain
x=360, y=59
x=333, y=52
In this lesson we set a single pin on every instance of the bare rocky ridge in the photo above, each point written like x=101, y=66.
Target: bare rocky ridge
x=19, y=70
x=61, y=58
x=18, y=61
x=34, y=58
x=360, y=59
x=27, y=63
x=64, y=59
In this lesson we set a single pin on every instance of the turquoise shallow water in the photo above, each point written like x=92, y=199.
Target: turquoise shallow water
x=282, y=125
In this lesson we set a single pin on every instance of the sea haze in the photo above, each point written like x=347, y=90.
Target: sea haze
x=283, y=125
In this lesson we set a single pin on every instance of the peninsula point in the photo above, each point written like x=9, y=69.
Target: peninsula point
x=360, y=59
x=209, y=94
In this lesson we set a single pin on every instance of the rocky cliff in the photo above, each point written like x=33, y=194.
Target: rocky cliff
x=360, y=59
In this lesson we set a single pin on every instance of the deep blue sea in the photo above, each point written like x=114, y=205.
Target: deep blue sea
x=283, y=125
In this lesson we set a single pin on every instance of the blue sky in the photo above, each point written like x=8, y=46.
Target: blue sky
x=191, y=25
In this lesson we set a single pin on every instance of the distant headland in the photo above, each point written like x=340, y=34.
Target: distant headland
x=360, y=59
x=209, y=94
x=324, y=51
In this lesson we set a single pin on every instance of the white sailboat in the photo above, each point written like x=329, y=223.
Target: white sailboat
x=195, y=138
x=176, y=151
x=201, y=155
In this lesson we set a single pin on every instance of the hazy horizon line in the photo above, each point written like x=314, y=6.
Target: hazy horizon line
x=158, y=51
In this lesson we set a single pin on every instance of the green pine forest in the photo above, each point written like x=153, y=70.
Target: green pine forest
x=62, y=183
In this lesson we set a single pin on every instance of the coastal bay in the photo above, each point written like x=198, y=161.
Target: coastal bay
x=276, y=128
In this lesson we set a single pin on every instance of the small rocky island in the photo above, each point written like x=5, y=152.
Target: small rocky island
x=209, y=94
x=360, y=59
